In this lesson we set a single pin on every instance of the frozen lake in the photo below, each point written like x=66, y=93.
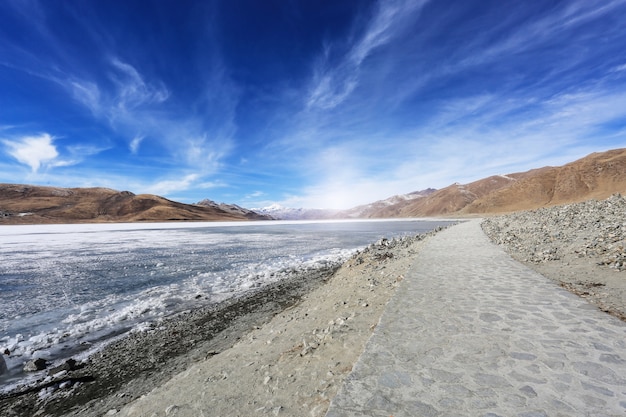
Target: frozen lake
x=69, y=288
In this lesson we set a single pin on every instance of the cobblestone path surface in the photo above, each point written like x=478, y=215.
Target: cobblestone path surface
x=471, y=332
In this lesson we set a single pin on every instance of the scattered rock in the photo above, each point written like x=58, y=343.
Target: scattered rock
x=592, y=229
x=35, y=365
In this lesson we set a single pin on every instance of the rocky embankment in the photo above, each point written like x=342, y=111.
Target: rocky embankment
x=582, y=246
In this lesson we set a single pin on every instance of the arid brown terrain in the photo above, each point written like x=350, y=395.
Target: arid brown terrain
x=596, y=176
x=27, y=204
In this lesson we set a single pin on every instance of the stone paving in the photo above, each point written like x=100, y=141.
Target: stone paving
x=471, y=332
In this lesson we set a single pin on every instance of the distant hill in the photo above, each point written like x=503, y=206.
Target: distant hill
x=279, y=212
x=28, y=204
x=389, y=207
x=234, y=209
x=375, y=209
x=595, y=176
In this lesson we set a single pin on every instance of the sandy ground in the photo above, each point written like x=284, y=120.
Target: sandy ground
x=294, y=364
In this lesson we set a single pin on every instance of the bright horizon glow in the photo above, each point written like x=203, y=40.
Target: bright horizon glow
x=25, y=231
x=304, y=104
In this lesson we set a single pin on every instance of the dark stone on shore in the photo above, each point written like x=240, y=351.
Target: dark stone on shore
x=35, y=365
x=68, y=365
x=3, y=366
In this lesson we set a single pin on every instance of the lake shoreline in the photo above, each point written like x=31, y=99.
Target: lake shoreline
x=148, y=358
x=128, y=369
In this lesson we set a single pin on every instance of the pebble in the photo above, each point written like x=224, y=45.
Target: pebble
x=171, y=410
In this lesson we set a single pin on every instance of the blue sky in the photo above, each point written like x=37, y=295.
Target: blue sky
x=320, y=104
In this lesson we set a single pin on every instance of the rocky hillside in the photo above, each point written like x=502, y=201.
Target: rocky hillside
x=597, y=176
x=26, y=204
x=582, y=246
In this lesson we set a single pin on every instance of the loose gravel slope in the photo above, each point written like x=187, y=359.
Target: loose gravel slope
x=581, y=246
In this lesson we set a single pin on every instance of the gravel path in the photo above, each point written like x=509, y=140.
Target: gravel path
x=472, y=332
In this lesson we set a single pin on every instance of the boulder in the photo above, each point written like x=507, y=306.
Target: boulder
x=35, y=365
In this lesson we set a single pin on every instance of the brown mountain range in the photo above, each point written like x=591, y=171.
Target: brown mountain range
x=597, y=175
x=26, y=204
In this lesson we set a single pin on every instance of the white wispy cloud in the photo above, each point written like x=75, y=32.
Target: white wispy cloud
x=7, y=127
x=581, y=11
x=169, y=186
x=619, y=68
x=77, y=153
x=515, y=36
x=132, y=90
x=471, y=138
x=386, y=22
x=255, y=195
x=465, y=135
x=334, y=79
x=134, y=144
x=131, y=94
x=85, y=92
x=34, y=151
x=206, y=185
x=200, y=152
x=135, y=108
